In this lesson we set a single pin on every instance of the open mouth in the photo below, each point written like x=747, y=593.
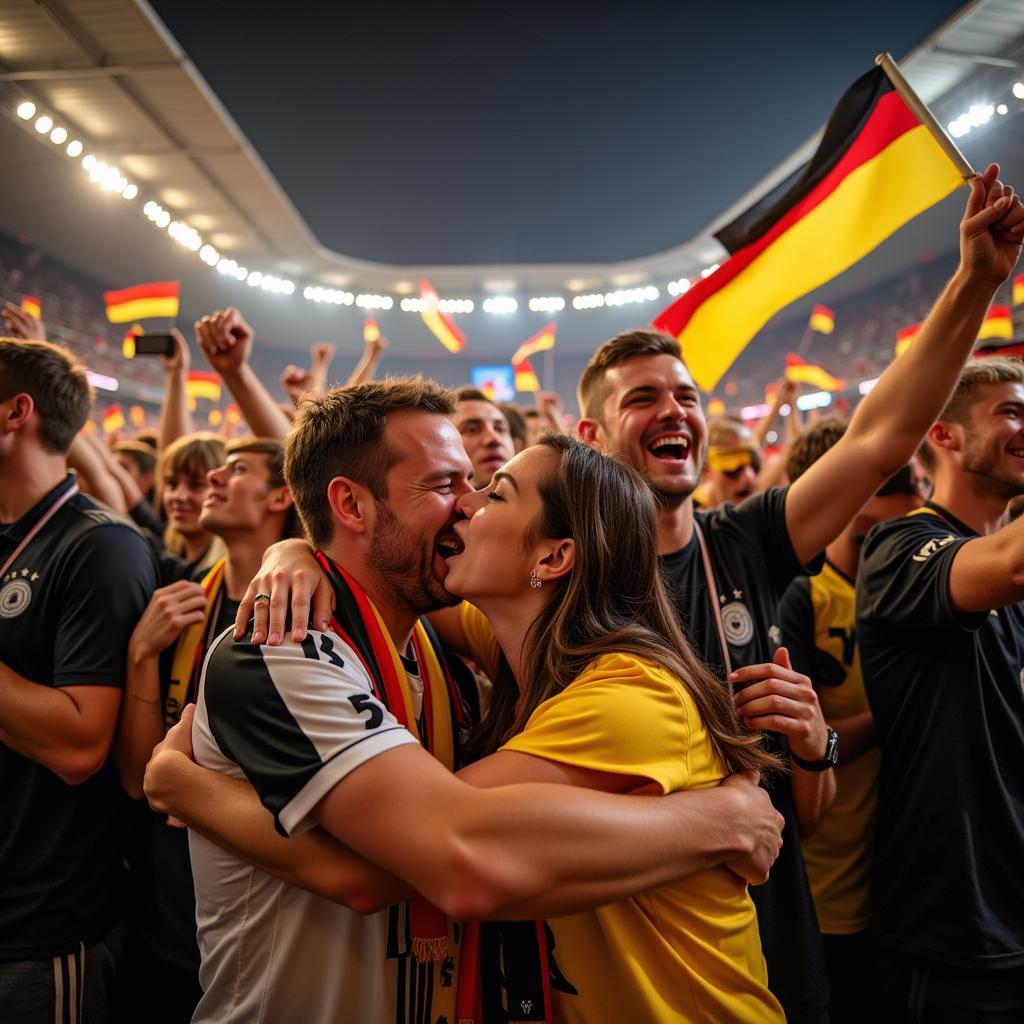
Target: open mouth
x=449, y=546
x=670, y=447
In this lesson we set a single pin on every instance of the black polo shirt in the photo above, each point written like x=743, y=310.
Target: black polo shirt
x=945, y=690
x=68, y=605
x=753, y=561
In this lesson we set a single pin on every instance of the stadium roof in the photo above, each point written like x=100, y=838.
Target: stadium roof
x=112, y=75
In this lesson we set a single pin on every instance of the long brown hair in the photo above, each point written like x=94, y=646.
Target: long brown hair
x=613, y=600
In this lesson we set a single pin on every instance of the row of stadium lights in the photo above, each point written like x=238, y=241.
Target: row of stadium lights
x=110, y=179
x=981, y=113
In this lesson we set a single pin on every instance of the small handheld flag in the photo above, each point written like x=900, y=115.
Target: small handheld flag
x=203, y=384
x=113, y=419
x=904, y=336
x=542, y=341
x=128, y=344
x=1018, y=290
x=823, y=320
x=31, y=305
x=807, y=373
x=997, y=324
x=142, y=302
x=525, y=378
x=137, y=415
x=371, y=332
x=438, y=323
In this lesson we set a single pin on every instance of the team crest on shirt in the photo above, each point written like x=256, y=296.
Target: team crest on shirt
x=16, y=593
x=935, y=544
x=737, y=623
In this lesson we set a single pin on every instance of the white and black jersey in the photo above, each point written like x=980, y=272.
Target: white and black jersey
x=295, y=720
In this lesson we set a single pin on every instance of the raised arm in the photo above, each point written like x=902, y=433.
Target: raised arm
x=93, y=476
x=988, y=572
x=367, y=365
x=226, y=340
x=175, y=419
x=895, y=415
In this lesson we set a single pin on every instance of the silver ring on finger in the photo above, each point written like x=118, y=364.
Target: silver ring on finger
x=261, y=597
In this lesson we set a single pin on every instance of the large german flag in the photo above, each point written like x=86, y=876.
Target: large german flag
x=439, y=325
x=142, y=302
x=877, y=167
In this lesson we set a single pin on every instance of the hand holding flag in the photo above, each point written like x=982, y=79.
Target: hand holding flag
x=21, y=324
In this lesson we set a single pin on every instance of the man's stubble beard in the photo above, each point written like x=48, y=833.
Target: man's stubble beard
x=403, y=566
x=984, y=465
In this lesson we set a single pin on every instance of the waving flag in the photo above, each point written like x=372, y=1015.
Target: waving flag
x=113, y=419
x=997, y=324
x=438, y=323
x=202, y=384
x=823, y=320
x=807, y=373
x=525, y=378
x=31, y=305
x=128, y=342
x=877, y=166
x=143, y=301
x=904, y=336
x=1018, y=290
x=542, y=341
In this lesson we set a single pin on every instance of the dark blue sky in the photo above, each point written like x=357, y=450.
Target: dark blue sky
x=471, y=133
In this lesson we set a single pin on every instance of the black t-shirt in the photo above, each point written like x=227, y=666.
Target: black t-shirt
x=68, y=605
x=753, y=561
x=166, y=920
x=945, y=689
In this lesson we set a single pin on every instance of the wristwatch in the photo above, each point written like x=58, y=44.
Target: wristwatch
x=830, y=760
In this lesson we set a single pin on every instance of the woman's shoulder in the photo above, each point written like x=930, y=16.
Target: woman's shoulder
x=624, y=668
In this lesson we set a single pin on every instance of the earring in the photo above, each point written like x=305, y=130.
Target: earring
x=535, y=581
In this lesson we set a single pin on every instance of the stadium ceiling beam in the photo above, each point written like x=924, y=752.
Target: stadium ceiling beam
x=63, y=19
x=92, y=71
x=977, y=58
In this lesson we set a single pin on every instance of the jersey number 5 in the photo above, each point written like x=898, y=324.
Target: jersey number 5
x=365, y=702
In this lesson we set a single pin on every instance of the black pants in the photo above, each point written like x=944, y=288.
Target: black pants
x=852, y=977
x=71, y=989
x=924, y=992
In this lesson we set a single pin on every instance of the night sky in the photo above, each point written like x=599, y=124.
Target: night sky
x=559, y=132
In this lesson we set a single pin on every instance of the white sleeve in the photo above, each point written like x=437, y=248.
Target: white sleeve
x=296, y=719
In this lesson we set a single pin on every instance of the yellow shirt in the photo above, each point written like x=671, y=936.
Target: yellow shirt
x=686, y=952
x=838, y=854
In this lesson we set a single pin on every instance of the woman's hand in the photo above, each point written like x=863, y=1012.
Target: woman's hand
x=289, y=571
x=171, y=610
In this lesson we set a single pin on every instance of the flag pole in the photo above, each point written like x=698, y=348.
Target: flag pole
x=924, y=115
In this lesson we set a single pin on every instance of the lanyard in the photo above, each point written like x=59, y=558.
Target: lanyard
x=712, y=585
x=41, y=522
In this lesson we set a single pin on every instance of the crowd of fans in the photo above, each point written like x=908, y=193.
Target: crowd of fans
x=343, y=714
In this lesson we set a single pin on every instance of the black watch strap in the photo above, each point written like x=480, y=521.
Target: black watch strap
x=830, y=760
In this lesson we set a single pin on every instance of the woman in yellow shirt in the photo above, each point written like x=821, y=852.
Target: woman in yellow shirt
x=596, y=686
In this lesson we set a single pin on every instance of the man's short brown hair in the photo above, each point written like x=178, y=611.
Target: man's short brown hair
x=341, y=433
x=811, y=444
x=592, y=390
x=57, y=383
x=975, y=375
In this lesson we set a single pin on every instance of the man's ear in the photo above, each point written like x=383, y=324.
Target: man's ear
x=16, y=412
x=947, y=436
x=280, y=500
x=557, y=561
x=591, y=433
x=351, y=504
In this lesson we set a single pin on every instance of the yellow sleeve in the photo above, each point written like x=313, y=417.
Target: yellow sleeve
x=626, y=716
x=483, y=647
